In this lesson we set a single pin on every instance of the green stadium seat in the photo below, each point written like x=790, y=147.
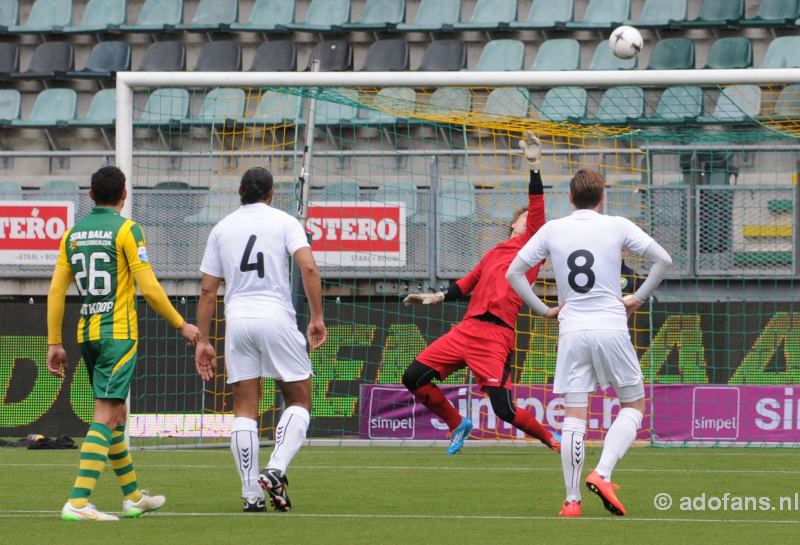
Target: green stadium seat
x=157, y=16
x=379, y=15
x=60, y=190
x=46, y=16
x=661, y=14
x=561, y=54
x=268, y=16
x=164, y=107
x=52, y=107
x=398, y=99
x=334, y=112
x=780, y=206
x=221, y=106
x=736, y=104
x=620, y=106
x=546, y=15
x=604, y=59
x=717, y=14
x=216, y=207
x=774, y=13
x=490, y=15
x=101, y=16
x=507, y=102
x=402, y=191
x=730, y=53
x=456, y=201
x=345, y=190
x=672, y=54
x=564, y=104
x=102, y=111
x=213, y=15
x=603, y=15
x=787, y=105
x=450, y=100
x=10, y=191
x=502, y=55
x=9, y=14
x=434, y=15
x=324, y=16
x=677, y=106
x=782, y=53
x=274, y=108
x=765, y=258
x=10, y=106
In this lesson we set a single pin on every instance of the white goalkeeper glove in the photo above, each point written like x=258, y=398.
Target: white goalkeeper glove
x=532, y=149
x=423, y=298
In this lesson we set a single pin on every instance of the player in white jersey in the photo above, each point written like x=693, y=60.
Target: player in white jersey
x=250, y=249
x=594, y=345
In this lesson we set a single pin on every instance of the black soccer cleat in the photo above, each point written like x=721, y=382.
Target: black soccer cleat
x=254, y=504
x=274, y=483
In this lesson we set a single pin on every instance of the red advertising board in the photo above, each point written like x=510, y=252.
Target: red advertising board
x=30, y=231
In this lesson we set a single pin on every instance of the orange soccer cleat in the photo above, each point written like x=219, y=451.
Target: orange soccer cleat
x=607, y=492
x=571, y=509
x=554, y=443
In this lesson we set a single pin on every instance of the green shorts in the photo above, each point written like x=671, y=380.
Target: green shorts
x=110, y=363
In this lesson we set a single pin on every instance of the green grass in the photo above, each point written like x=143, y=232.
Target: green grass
x=408, y=495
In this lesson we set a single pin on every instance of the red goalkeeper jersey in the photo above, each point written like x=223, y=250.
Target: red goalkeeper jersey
x=487, y=285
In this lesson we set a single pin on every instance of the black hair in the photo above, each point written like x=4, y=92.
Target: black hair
x=256, y=185
x=108, y=184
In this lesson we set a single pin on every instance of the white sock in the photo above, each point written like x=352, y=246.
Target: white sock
x=244, y=445
x=619, y=438
x=573, y=454
x=289, y=437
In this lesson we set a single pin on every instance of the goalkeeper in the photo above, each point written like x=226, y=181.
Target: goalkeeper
x=484, y=340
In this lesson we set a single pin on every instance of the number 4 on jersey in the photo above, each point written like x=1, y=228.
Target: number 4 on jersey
x=246, y=265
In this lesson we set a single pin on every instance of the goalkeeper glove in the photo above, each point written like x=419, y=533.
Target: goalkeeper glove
x=532, y=149
x=424, y=298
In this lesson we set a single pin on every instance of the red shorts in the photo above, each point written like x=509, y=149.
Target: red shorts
x=484, y=347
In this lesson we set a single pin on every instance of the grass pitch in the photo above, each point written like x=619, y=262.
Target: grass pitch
x=416, y=495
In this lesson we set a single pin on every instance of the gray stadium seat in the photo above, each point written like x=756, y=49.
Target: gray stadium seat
x=677, y=105
x=101, y=16
x=620, y=106
x=333, y=56
x=221, y=106
x=490, y=15
x=102, y=112
x=164, y=107
x=774, y=13
x=9, y=60
x=275, y=56
x=51, y=60
x=604, y=59
x=502, y=55
x=733, y=52
x=782, y=53
x=660, y=14
x=213, y=15
x=434, y=15
x=717, y=13
x=603, y=15
x=546, y=15
x=379, y=15
x=52, y=107
x=105, y=60
x=268, y=16
x=46, y=16
x=164, y=57
x=672, y=54
x=10, y=191
x=9, y=14
x=561, y=54
x=324, y=16
x=444, y=55
x=157, y=16
x=564, y=104
x=221, y=56
x=736, y=104
x=10, y=106
x=387, y=56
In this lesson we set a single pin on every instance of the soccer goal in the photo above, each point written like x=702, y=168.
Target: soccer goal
x=404, y=180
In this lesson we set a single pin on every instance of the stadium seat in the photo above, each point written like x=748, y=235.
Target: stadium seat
x=786, y=105
x=340, y=110
x=102, y=112
x=402, y=191
x=105, y=60
x=562, y=54
x=221, y=56
x=564, y=104
x=620, y=106
x=446, y=101
x=387, y=56
x=392, y=98
x=677, y=106
x=166, y=56
x=101, y=16
x=333, y=56
x=782, y=53
x=661, y=14
x=10, y=191
x=164, y=107
x=444, y=55
x=672, y=54
x=10, y=106
x=774, y=13
x=52, y=106
x=736, y=104
x=604, y=59
x=9, y=60
x=157, y=16
x=58, y=190
x=764, y=258
x=456, y=200
x=379, y=15
x=490, y=15
x=433, y=16
x=51, y=60
x=221, y=107
x=216, y=207
x=717, y=14
x=213, y=15
x=346, y=190
x=602, y=15
x=46, y=16
x=507, y=102
x=324, y=16
x=9, y=14
x=275, y=108
x=502, y=55
x=546, y=15
x=268, y=16
x=275, y=56
x=730, y=53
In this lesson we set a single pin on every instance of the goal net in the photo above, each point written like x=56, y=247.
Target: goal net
x=404, y=181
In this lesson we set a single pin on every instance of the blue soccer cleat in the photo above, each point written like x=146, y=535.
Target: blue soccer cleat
x=459, y=435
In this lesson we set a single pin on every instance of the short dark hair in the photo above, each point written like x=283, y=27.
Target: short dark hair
x=108, y=184
x=586, y=188
x=256, y=185
x=517, y=213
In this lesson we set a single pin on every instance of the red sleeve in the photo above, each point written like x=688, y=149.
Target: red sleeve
x=535, y=215
x=468, y=282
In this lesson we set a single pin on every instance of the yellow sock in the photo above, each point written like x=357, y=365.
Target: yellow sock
x=122, y=463
x=94, y=453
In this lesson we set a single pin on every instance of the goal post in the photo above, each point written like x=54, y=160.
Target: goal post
x=417, y=174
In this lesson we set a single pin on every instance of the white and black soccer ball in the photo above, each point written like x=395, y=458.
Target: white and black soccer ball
x=625, y=42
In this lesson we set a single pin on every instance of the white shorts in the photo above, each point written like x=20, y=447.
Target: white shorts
x=262, y=347
x=587, y=358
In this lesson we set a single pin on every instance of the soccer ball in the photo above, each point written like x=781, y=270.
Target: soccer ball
x=625, y=42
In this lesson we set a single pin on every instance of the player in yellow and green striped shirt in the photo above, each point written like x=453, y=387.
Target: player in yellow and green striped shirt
x=106, y=255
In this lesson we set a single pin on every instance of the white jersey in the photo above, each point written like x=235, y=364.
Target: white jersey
x=585, y=250
x=249, y=249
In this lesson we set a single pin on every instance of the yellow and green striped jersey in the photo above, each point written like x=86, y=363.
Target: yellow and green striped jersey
x=103, y=251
